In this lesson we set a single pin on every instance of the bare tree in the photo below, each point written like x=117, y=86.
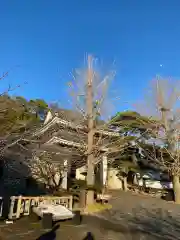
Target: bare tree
x=162, y=105
x=90, y=93
x=43, y=170
x=14, y=130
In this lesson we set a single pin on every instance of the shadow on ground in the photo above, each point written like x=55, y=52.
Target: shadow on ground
x=51, y=235
x=131, y=217
x=143, y=218
x=144, y=225
x=135, y=217
x=159, y=224
x=89, y=236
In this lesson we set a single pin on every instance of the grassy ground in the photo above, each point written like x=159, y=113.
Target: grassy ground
x=96, y=208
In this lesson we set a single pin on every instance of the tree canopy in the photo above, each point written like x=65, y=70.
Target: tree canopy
x=17, y=113
x=131, y=122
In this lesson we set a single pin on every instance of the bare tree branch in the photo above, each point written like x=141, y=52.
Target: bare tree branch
x=164, y=101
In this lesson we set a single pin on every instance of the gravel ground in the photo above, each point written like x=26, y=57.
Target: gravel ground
x=131, y=217
x=143, y=217
x=24, y=228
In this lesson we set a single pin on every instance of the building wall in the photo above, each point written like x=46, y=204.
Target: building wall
x=80, y=173
x=113, y=182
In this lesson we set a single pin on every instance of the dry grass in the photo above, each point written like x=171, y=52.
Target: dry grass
x=97, y=207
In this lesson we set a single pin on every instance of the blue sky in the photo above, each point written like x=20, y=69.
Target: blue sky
x=41, y=41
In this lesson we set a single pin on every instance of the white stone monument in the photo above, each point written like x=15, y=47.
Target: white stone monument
x=65, y=175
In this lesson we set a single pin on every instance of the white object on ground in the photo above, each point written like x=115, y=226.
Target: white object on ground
x=103, y=196
x=156, y=184
x=59, y=212
x=153, y=180
x=9, y=222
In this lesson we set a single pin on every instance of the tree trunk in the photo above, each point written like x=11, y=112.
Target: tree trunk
x=125, y=187
x=134, y=159
x=90, y=180
x=82, y=199
x=90, y=158
x=135, y=179
x=176, y=188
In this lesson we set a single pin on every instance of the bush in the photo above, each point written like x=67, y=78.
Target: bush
x=61, y=193
x=79, y=185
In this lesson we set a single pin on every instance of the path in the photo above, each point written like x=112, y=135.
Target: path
x=144, y=216
x=132, y=217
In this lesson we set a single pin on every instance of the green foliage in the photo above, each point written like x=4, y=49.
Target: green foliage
x=61, y=193
x=38, y=107
x=132, y=126
x=78, y=185
x=16, y=114
x=141, y=128
x=38, y=104
x=132, y=122
x=126, y=165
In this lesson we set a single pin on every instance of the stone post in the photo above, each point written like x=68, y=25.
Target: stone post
x=104, y=169
x=65, y=175
x=12, y=202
